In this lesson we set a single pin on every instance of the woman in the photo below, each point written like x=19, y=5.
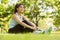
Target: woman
x=19, y=23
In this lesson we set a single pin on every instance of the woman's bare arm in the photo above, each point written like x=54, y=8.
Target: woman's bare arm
x=25, y=18
x=21, y=23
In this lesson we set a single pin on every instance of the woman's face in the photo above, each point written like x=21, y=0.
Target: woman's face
x=20, y=8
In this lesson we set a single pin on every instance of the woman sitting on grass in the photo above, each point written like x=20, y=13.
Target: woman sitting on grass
x=19, y=23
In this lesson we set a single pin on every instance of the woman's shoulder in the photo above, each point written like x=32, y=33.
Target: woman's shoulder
x=13, y=15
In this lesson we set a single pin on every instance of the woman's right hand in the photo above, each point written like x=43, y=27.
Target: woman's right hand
x=32, y=27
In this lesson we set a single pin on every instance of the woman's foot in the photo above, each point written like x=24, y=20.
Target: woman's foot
x=38, y=31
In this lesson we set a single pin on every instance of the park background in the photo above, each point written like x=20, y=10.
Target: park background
x=44, y=13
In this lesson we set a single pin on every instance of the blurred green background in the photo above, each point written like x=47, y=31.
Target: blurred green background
x=44, y=13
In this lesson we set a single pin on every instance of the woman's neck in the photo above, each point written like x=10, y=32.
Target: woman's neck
x=19, y=13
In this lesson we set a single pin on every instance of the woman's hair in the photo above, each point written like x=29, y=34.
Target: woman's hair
x=17, y=6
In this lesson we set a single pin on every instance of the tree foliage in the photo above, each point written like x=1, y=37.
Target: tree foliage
x=33, y=10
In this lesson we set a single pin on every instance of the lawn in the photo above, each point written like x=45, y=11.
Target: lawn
x=30, y=36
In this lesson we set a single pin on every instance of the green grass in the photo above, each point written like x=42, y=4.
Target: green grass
x=30, y=36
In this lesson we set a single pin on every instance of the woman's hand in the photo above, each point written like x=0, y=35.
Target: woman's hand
x=32, y=27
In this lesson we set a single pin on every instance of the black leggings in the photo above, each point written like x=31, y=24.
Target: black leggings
x=20, y=29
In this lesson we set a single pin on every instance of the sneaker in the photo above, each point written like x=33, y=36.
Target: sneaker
x=38, y=31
